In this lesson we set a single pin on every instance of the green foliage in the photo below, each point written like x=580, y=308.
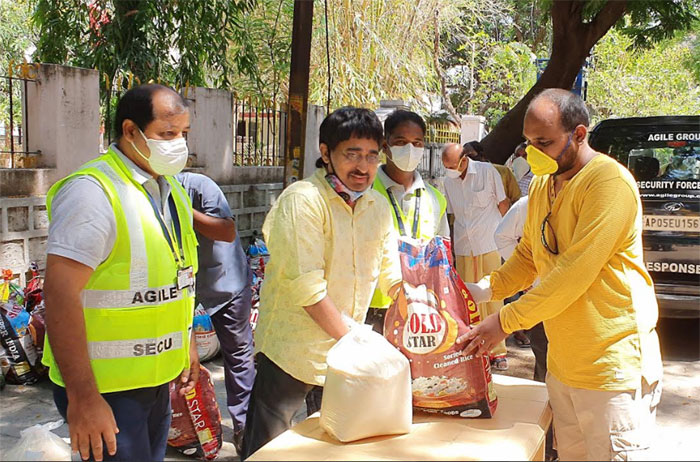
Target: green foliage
x=489, y=57
x=650, y=21
x=508, y=73
x=16, y=35
x=16, y=38
x=378, y=50
x=268, y=28
x=654, y=81
x=176, y=42
x=645, y=21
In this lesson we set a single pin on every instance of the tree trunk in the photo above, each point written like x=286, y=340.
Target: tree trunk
x=572, y=42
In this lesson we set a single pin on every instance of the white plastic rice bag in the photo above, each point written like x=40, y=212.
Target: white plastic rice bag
x=204, y=335
x=368, y=388
x=39, y=443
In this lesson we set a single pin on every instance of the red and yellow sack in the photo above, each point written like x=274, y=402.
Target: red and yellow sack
x=195, y=429
x=433, y=308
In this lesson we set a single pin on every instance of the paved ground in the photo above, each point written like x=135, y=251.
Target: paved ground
x=678, y=415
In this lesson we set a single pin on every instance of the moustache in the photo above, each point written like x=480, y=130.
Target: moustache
x=359, y=173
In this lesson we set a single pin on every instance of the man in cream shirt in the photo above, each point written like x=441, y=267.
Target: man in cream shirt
x=477, y=201
x=331, y=241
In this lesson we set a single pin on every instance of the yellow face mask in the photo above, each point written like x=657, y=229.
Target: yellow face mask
x=540, y=163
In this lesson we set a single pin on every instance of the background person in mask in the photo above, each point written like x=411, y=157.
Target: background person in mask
x=475, y=151
x=418, y=209
x=476, y=201
x=583, y=239
x=521, y=169
x=331, y=241
x=119, y=283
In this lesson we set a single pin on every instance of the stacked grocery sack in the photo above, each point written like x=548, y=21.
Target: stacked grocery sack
x=195, y=429
x=21, y=329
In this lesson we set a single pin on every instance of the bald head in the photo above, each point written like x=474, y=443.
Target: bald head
x=558, y=108
x=144, y=103
x=451, y=154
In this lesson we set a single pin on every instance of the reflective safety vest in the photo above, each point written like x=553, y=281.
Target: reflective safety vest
x=137, y=317
x=426, y=225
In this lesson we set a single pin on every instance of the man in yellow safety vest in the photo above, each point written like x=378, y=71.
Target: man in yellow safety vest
x=418, y=208
x=119, y=287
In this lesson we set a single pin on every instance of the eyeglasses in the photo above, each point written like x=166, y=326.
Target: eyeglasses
x=355, y=158
x=554, y=250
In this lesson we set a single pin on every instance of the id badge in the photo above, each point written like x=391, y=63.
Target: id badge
x=185, y=278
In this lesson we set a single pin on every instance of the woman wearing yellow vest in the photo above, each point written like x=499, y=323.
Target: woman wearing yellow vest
x=119, y=287
x=418, y=208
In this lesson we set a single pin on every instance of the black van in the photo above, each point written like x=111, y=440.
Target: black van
x=663, y=154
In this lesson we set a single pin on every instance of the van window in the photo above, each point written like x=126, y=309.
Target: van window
x=665, y=163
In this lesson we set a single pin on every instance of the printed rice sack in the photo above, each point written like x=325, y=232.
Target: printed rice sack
x=19, y=360
x=432, y=310
x=195, y=429
x=204, y=335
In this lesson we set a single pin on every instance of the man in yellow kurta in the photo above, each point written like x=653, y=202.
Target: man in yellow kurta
x=331, y=241
x=583, y=238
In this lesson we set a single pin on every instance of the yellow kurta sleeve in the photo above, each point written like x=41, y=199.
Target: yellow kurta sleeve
x=604, y=219
x=294, y=234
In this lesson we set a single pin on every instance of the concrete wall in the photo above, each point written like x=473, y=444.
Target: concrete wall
x=250, y=204
x=314, y=117
x=473, y=128
x=62, y=121
x=63, y=112
x=24, y=227
x=211, y=132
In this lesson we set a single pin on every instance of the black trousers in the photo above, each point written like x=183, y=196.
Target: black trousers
x=277, y=400
x=375, y=318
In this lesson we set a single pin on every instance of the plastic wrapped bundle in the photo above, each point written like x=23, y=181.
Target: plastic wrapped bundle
x=368, y=388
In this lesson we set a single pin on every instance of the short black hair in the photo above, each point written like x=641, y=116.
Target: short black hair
x=477, y=147
x=348, y=122
x=137, y=106
x=399, y=117
x=572, y=109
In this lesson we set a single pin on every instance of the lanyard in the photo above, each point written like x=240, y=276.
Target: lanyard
x=166, y=232
x=399, y=214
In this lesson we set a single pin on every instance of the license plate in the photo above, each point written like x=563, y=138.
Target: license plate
x=671, y=223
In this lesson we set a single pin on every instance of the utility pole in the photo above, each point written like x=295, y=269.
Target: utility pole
x=298, y=90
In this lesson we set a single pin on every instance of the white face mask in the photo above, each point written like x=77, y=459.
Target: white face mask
x=168, y=157
x=406, y=157
x=452, y=172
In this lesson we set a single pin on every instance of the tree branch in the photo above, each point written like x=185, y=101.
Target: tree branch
x=443, y=85
x=604, y=20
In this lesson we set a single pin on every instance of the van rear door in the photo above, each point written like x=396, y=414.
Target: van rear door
x=665, y=160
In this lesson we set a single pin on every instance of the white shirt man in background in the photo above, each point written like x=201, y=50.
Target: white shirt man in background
x=508, y=234
x=477, y=201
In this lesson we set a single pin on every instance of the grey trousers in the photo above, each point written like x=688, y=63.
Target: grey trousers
x=232, y=326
